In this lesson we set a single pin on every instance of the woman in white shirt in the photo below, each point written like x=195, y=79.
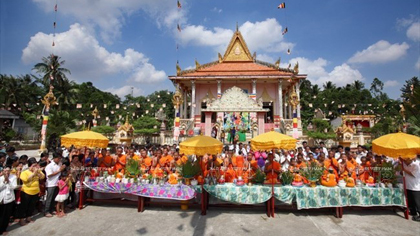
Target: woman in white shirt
x=7, y=198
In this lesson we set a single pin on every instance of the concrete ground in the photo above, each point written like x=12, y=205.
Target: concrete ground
x=116, y=219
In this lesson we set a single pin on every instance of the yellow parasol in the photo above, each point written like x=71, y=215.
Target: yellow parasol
x=272, y=140
x=85, y=139
x=397, y=145
x=200, y=145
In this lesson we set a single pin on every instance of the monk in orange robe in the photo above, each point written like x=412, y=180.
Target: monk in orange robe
x=331, y=162
x=364, y=170
x=351, y=166
x=213, y=166
x=272, y=169
x=229, y=172
x=238, y=164
x=120, y=160
x=250, y=167
x=106, y=162
x=300, y=163
x=145, y=161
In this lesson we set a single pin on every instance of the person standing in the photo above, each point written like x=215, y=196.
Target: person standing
x=7, y=197
x=412, y=180
x=53, y=171
x=30, y=191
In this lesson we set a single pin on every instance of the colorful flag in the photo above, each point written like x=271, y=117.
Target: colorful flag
x=179, y=5
x=55, y=7
x=288, y=51
x=282, y=5
x=284, y=31
x=179, y=28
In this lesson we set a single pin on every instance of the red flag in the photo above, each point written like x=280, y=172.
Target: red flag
x=179, y=5
x=285, y=31
x=282, y=5
x=55, y=7
x=179, y=28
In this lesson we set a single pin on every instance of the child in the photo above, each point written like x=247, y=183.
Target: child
x=63, y=194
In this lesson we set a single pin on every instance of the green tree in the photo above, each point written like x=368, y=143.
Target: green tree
x=52, y=71
x=103, y=129
x=321, y=131
x=146, y=125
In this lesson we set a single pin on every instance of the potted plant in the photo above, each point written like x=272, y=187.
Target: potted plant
x=190, y=169
x=287, y=177
x=259, y=177
x=312, y=172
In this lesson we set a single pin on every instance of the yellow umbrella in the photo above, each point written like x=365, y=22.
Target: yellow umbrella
x=85, y=139
x=397, y=145
x=200, y=145
x=271, y=140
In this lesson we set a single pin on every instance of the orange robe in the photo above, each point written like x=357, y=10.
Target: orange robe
x=106, y=161
x=146, y=164
x=331, y=163
x=272, y=176
x=239, y=162
x=302, y=164
x=119, y=166
x=165, y=160
x=182, y=160
x=365, y=172
x=352, y=165
x=230, y=174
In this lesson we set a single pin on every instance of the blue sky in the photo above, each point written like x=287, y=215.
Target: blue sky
x=119, y=44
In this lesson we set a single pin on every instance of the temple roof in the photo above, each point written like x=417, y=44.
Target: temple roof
x=237, y=61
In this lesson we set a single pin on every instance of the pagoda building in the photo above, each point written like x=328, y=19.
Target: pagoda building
x=238, y=92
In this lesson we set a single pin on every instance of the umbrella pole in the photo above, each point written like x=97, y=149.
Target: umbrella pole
x=406, y=213
x=272, y=188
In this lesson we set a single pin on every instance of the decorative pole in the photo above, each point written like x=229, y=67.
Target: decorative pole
x=177, y=100
x=48, y=101
x=294, y=101
x=95, y=114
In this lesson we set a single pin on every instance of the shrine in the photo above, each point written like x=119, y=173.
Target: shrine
x=238, y=92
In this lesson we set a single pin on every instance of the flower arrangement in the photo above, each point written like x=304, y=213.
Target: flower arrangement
x=312, y=172
x=259, y=177
x=189, y=169
x=132, y=168
x=287, y=177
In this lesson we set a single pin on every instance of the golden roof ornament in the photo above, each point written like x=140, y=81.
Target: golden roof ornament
x=178, y=69
x=296, y=68
x=277, y=63
x=220, y=57
x=49, y=98
x=402, y=112
x=126, y=126
x=197, y=65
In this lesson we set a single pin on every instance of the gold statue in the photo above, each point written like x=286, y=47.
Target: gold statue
x=294, y=99
x=277, y=64
x=178, y=69
x=95, y=112
x=177, y=98
x=296, y=68
x=49, y=98
x=197, y=65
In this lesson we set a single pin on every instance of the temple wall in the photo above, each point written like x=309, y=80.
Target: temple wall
x=201, y=91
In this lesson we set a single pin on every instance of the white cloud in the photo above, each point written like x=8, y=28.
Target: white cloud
x=215, y=9
x=413, y=32
x=266, y=58
x=317, y=74
x=417, y=65
x=391, y=83
x=380, y=52
x=87, y=60
x=125, y=90
x=110, y=15
x=260, y=36
x=341, y=75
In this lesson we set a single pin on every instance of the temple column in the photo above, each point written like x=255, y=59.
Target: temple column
x=185, y=105
x=290, y=107
x=284, y=106
x=192, y=99
x=280, y=87
x=298, y=95
x=181, y=106
x=260, y=120
x=254, y=89
x=219, y=88
x=207, y=125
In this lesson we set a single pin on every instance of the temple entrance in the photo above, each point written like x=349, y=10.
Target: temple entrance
x=237, y=115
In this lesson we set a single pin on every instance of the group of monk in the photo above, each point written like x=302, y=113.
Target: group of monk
x=239, y=162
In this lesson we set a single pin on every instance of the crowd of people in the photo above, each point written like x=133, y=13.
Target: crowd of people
x=51, y=184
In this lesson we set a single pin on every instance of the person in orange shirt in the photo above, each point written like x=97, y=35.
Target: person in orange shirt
x=229, y=172
x=364, y=170
x=238, y=164
x=120, y=160
x=132, y=154
x=106, y=161
x=272, y=169
x=299, y=162
x=332, y=162
x=351, y=166
x=165, y=160
x=145, y=161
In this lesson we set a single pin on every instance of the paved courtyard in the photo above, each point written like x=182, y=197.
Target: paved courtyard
x=113, y=219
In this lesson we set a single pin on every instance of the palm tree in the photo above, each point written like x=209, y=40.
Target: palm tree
x=329, y=86
x=53, y=73
x=358, y=85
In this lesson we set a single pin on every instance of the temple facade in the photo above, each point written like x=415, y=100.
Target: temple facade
x=238, y=92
